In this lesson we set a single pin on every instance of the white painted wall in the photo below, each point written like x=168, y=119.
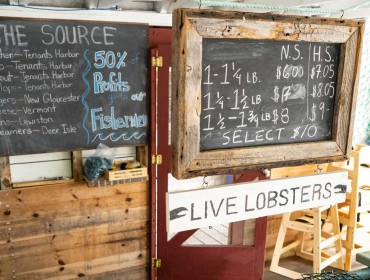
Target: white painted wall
x=40, y=167
x=151, y=18
x=46, y=166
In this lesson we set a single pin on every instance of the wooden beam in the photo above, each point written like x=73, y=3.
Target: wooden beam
x=5, y=178
x=77, y=166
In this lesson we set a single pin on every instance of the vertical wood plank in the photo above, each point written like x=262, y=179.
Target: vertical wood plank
x=77, y=166
x=142, y=154
x=5, y=177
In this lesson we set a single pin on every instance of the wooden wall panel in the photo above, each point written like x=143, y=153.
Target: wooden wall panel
x=72, y=231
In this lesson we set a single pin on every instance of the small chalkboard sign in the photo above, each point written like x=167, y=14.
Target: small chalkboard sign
x=68, y=85
x=264, y=92
x=261, y=91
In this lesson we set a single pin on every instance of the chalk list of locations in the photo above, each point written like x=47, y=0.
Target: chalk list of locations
x=69, y=85
x=266, y=92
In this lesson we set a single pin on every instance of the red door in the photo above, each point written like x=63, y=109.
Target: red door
x=234, y=251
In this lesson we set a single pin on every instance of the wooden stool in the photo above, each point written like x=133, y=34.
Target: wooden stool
x=349, y=211
x=310, y=222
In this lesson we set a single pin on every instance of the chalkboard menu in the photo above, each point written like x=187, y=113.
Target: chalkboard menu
x=70, y=85
x=263, y=92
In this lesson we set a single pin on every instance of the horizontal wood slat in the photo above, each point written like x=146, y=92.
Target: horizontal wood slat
x=72, y=231
x=24, y=229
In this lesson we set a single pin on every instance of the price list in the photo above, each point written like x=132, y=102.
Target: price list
x=261, y=92
x=68, y=85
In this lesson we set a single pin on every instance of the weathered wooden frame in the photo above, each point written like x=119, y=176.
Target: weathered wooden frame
x=191, y=26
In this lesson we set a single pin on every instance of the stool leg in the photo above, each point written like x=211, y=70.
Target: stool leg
x=279, y=249
x=316, y=240
x=279, y=242
x=350, y=241
x=336, y=231
x=300, y=248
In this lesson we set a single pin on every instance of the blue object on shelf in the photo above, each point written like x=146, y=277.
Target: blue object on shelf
x=95, y=166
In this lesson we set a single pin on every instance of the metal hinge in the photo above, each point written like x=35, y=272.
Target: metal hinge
x=157, y=159
x=157, y=61
x=156, y=263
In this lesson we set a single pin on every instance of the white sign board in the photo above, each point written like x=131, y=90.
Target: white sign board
x=230, y=203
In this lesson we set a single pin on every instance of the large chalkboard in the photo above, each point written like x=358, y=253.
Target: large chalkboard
x=70, y=84
x=260, y=91
x=263, y=92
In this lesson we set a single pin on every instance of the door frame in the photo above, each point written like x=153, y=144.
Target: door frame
x=158, y=37
x=160, y=42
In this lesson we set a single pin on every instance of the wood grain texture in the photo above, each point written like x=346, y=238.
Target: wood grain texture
x=142, y=153
x=42, y=183
x=77, y=171
x=177, y=117
x=233, y=16
x=189, y=106
x=5, y=180
x=190, y=26
x=309, y=169
x=274, y=30
x=72, y=231
x=356, y=81
x=347, y=94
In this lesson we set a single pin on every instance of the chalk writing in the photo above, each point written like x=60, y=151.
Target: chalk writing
x=68, y=85
x=277, y=92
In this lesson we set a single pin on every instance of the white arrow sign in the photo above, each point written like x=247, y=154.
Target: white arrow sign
x=230, y=203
